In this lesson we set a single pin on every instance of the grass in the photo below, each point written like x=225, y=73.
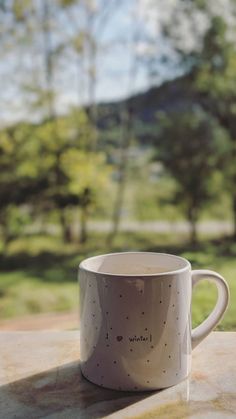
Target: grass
x=39, y=273
x=23, y=294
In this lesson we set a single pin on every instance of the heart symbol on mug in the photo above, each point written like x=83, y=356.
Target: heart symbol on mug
x=119, y=338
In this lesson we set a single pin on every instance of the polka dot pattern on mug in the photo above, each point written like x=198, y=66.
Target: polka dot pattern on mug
x=116, y=334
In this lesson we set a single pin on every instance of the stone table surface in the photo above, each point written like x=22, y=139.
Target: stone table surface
x=40, y=378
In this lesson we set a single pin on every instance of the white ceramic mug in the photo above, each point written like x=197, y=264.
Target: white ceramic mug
x=136, y=319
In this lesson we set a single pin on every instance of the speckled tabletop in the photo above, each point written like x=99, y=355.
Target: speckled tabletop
x=40, y=378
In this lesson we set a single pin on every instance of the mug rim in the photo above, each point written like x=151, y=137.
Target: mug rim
x=152, y=275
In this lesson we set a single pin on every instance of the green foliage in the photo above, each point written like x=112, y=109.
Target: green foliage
x=47, y=167
x=154, y=202
x=20, y=9
x=215, y=69
x=17, y=220
x=215, y=80
x=67, y=3
x=190, y=147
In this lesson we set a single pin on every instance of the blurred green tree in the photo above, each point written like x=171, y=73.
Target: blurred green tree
x=200, y=36
x=189, y=145
x=49, y=143
x=42, y=173
x=21, y=181
x=215, y=80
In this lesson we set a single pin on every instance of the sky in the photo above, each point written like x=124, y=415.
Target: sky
x=119, y=56
x=114, y=62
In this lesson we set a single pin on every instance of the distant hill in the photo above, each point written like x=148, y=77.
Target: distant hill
x=174, y=95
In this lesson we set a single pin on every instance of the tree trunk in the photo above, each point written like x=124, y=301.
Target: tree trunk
x=127, y=136
x=83, y=225
x=234, y=215
x=66, y=231
x=128, y=120
x=192, y=218
x=6, y=237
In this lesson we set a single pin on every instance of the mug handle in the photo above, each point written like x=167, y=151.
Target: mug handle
x=201, y=331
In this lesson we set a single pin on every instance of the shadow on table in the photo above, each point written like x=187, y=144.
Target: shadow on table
x=62, y=393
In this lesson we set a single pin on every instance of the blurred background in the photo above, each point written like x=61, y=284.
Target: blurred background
x=117, y=132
